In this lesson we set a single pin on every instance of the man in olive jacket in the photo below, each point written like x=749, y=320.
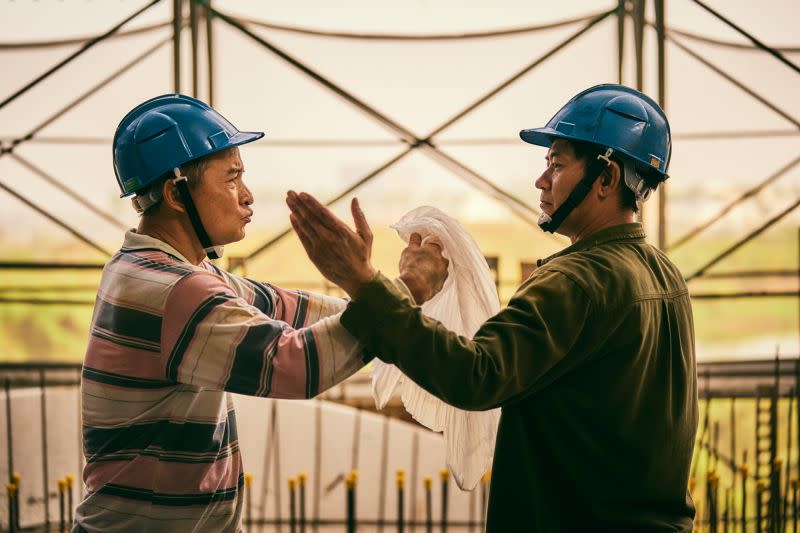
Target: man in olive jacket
x=592, y=360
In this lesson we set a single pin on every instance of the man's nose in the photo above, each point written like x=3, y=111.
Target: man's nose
x=543, y=180
x=246, y=195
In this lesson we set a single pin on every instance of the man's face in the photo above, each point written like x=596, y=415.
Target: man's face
x=223, y=200
x=558, y=180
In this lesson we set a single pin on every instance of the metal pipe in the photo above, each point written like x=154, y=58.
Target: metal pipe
x=789, y=420
x=248, y=487
x=69, y=192
x=662, y=101
x=621, y=14
x=732, y=80
x=541, y=59
x=401, y=479
x=293, y=505
x=638, y=39
x=177, y=23
x=700, y=271
x=350, y=484
x=428, y=482
x=780, y=57
x=445, y=475
x=82, y=97
x=27, y=265
x=743, y=509
x=45, y=454
x=301, y=479
x=402, y=132
x=74, y=55
x=9, y=441
x=54, y=219
x=777, y=273
x=209, y=51
x=745, y=294
x=194, y=25
x=62, y=518
x=259, y=250
x=741, y=198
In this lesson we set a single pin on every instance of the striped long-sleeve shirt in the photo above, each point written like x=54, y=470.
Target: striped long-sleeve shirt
x=169, y=341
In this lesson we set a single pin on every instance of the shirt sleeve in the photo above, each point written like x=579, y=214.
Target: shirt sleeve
x=294, y=307
x=213, y=338
x=539, y=336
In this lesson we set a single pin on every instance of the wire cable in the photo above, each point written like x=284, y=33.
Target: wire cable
x=10, y=45
x=416, y=37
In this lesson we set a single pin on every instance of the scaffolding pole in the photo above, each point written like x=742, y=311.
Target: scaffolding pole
x=177, y=23
x=700, y=271
x=662, y=101
x=74, y=55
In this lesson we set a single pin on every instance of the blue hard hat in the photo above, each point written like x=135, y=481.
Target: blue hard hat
x=166, y=132
x=612, y=116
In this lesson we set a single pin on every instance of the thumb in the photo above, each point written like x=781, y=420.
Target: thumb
x=362, y=226
x=415, y=239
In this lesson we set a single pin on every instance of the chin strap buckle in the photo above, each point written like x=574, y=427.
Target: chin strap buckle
x=606, y=156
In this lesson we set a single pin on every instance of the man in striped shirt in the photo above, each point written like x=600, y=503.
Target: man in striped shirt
x=173, y=335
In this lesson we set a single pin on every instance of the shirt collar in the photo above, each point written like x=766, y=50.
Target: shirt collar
x=623, y=232
x=137, y=241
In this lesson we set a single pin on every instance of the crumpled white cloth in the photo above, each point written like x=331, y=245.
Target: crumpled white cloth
x=467, y=299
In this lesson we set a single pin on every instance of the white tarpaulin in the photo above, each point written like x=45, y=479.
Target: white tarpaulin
x=466, y=300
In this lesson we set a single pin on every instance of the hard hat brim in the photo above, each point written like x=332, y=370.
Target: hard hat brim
x=541, y=136
x=244, y=137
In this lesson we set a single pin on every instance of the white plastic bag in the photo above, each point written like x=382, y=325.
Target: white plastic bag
x=466, y=300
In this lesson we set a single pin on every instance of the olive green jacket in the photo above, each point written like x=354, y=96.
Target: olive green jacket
x=593, y=364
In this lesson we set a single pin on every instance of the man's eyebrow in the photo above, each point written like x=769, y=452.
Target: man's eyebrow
x=235, y=169
x=552, y=154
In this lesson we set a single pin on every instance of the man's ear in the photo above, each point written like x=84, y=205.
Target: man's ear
x=171, y=196
x=610, y=180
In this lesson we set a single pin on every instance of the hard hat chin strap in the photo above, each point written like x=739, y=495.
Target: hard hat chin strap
x=551, y=223
x=182, y=184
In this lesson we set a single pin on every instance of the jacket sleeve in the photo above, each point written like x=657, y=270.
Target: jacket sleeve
x=214, y=338
x=527, y=344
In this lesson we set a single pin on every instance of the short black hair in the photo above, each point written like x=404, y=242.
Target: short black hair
x=587, y=151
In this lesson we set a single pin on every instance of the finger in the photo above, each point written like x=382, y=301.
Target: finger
x=360, y=221
x=321, y=213
x=415, y=239
x=303, y=211
x=299, y=219
x=307, y=243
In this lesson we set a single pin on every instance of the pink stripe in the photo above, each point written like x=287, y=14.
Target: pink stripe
x=286, y=306
x=289, y=367
x=182, y=302
x=104, y=355
x=149, y=473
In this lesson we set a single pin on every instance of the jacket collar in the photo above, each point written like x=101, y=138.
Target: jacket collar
x=633, y=232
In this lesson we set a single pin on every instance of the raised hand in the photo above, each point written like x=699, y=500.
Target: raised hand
x=339, y=253
x=423, y=268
